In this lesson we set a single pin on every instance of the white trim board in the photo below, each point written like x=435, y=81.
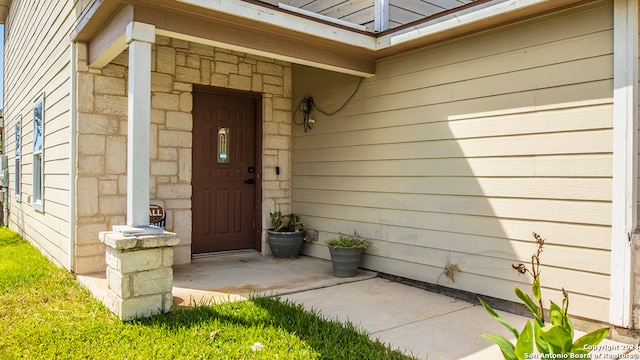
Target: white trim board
x=625, y=150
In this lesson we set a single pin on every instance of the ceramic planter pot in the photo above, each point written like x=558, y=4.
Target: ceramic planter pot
x=285, y=245
x=345, y=260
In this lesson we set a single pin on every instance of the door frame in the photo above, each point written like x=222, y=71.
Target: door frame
x=257, y=97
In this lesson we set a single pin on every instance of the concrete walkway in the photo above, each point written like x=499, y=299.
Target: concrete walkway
x=418, y=322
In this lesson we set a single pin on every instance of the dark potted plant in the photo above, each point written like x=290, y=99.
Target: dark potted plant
x=346, y=251
x=286, y=235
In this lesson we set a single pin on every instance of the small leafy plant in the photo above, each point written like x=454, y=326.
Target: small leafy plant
x=553, y=339
x=286, y=223
x=349, y=241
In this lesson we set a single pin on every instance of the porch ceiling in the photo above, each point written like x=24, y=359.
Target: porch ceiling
x=263, y=29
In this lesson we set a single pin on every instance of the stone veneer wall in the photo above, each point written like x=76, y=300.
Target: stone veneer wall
x=102, y=137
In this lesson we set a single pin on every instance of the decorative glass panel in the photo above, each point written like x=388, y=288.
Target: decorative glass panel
x=223, y=145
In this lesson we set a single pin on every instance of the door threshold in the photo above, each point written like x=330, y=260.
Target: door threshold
x=219, y=254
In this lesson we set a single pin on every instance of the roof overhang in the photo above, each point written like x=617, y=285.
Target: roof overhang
x=468, y=20
x=4, y=10
x=260, y=29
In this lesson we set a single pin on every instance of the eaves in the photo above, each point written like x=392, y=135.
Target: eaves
x=261, y=29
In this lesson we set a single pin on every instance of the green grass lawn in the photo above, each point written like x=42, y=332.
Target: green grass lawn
x=46, y=314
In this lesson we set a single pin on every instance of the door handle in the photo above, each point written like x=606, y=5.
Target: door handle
x=250, y=181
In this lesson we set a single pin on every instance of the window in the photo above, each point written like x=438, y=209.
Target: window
x=38, y=154
x=223, y=145
x=18, y=153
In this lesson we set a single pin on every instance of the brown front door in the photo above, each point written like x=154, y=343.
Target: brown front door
x=225, y=170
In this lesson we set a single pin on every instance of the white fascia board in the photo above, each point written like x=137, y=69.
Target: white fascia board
x=286, y=20
x=460, y=18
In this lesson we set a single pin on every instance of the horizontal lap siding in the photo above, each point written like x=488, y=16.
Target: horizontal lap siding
x=457, y=152
x=37, y=60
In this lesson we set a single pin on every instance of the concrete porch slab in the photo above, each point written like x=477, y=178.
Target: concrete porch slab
x=241, y=276
x=418, y=322
x=238, y=277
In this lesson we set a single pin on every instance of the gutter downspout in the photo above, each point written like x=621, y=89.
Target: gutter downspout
x=73, y=78
x=381, y=15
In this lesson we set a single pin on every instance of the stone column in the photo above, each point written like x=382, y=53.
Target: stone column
x=139, y=274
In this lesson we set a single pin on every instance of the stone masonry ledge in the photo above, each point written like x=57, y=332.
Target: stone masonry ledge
x=118, y=241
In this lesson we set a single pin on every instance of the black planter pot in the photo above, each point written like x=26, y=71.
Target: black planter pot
x=285, y=245
x=345, y=260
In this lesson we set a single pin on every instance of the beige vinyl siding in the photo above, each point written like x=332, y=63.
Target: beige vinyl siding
x=37, y=62
x=459, y=151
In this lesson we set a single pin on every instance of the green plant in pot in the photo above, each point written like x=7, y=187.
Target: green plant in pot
x=286, y=235
x=346, y=251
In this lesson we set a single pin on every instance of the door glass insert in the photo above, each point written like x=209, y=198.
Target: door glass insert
x=223, y=145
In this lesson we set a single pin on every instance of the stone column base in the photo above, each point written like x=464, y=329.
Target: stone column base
x=139, y=273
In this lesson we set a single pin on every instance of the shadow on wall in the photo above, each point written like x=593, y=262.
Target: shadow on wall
x=455, y=154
